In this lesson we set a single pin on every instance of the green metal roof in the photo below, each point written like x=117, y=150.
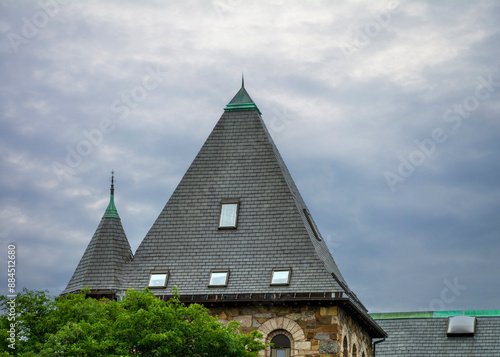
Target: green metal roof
x=242, y=101
x=432, y=314
x=111, y=211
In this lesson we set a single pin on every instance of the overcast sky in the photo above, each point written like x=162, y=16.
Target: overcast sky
x=386, y=114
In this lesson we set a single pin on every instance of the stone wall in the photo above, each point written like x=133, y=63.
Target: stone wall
x=314, y=330
x=357, y=338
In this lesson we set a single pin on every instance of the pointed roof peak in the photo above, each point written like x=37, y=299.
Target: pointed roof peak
x=242, y=101
x=112, y=182
x=101, y=266
x=111, y=211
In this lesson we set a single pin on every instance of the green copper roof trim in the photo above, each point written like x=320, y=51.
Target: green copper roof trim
x=402, y=315
x=241, y=101
x=111, y=211
x=432, y=314
x=467, y=313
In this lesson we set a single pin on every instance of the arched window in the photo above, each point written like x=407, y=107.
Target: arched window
x=354, y=351
x=281, y=346
x=363, y=355
x=346, y=348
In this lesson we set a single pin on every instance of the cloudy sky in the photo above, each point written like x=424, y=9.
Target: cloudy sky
x=386, y=113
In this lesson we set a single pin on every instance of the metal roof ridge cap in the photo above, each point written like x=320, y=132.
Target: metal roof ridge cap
x=477, y=313
x=242, y=101
x=401, y=315
x=433, y=314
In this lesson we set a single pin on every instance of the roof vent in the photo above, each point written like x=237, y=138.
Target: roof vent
x=461, y=325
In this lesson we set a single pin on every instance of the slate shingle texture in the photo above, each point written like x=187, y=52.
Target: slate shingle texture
x=427, y=337
x=238, y=160
x=101, y=266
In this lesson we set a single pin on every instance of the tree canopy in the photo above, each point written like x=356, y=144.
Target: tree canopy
x=139, y=325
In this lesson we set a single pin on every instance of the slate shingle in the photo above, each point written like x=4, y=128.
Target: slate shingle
x=238, y=160
x=101, y=266
x=416, y=337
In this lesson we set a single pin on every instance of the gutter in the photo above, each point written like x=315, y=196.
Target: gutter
x=375, y=345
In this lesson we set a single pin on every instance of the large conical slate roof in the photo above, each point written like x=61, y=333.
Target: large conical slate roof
x=101, y=266
x=238, y=160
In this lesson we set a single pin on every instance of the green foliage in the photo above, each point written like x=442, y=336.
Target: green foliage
x=35, y=307
x=139, y=325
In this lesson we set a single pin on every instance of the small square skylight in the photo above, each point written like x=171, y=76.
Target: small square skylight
x=281, y=277
x=218, y=278
x=158, y=280
x=228, y=213
x=461, y=325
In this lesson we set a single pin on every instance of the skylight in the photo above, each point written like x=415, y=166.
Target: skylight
x=158, y=279
x=218, y=278
x=228, y=213
x=281, y=276
x=461, y=325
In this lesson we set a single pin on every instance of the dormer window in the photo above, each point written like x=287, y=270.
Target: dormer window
x=281, y=276
x=219, y=277
x=229, y=214
x=158, y=279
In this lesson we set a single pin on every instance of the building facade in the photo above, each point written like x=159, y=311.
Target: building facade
x=237, y=237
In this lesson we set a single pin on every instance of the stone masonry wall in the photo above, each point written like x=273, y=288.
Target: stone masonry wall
x=355, y=336
x=314, y=330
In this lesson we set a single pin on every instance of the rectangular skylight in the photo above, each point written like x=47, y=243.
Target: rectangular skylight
x=218, y=278
x=461, y=325
x=280, y=277
x=228, y=213
x=158, y=279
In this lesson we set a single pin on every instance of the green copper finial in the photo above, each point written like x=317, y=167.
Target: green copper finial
x=111, y=211
x=242, y=80
x=242, y=100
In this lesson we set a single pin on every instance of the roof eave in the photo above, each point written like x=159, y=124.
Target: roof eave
x=337, y=298
x=375, y=330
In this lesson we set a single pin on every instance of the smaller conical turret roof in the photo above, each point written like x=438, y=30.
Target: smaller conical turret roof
x=101, y=266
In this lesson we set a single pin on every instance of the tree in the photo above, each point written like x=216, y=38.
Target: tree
x=139, y=325
x=32, y=309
